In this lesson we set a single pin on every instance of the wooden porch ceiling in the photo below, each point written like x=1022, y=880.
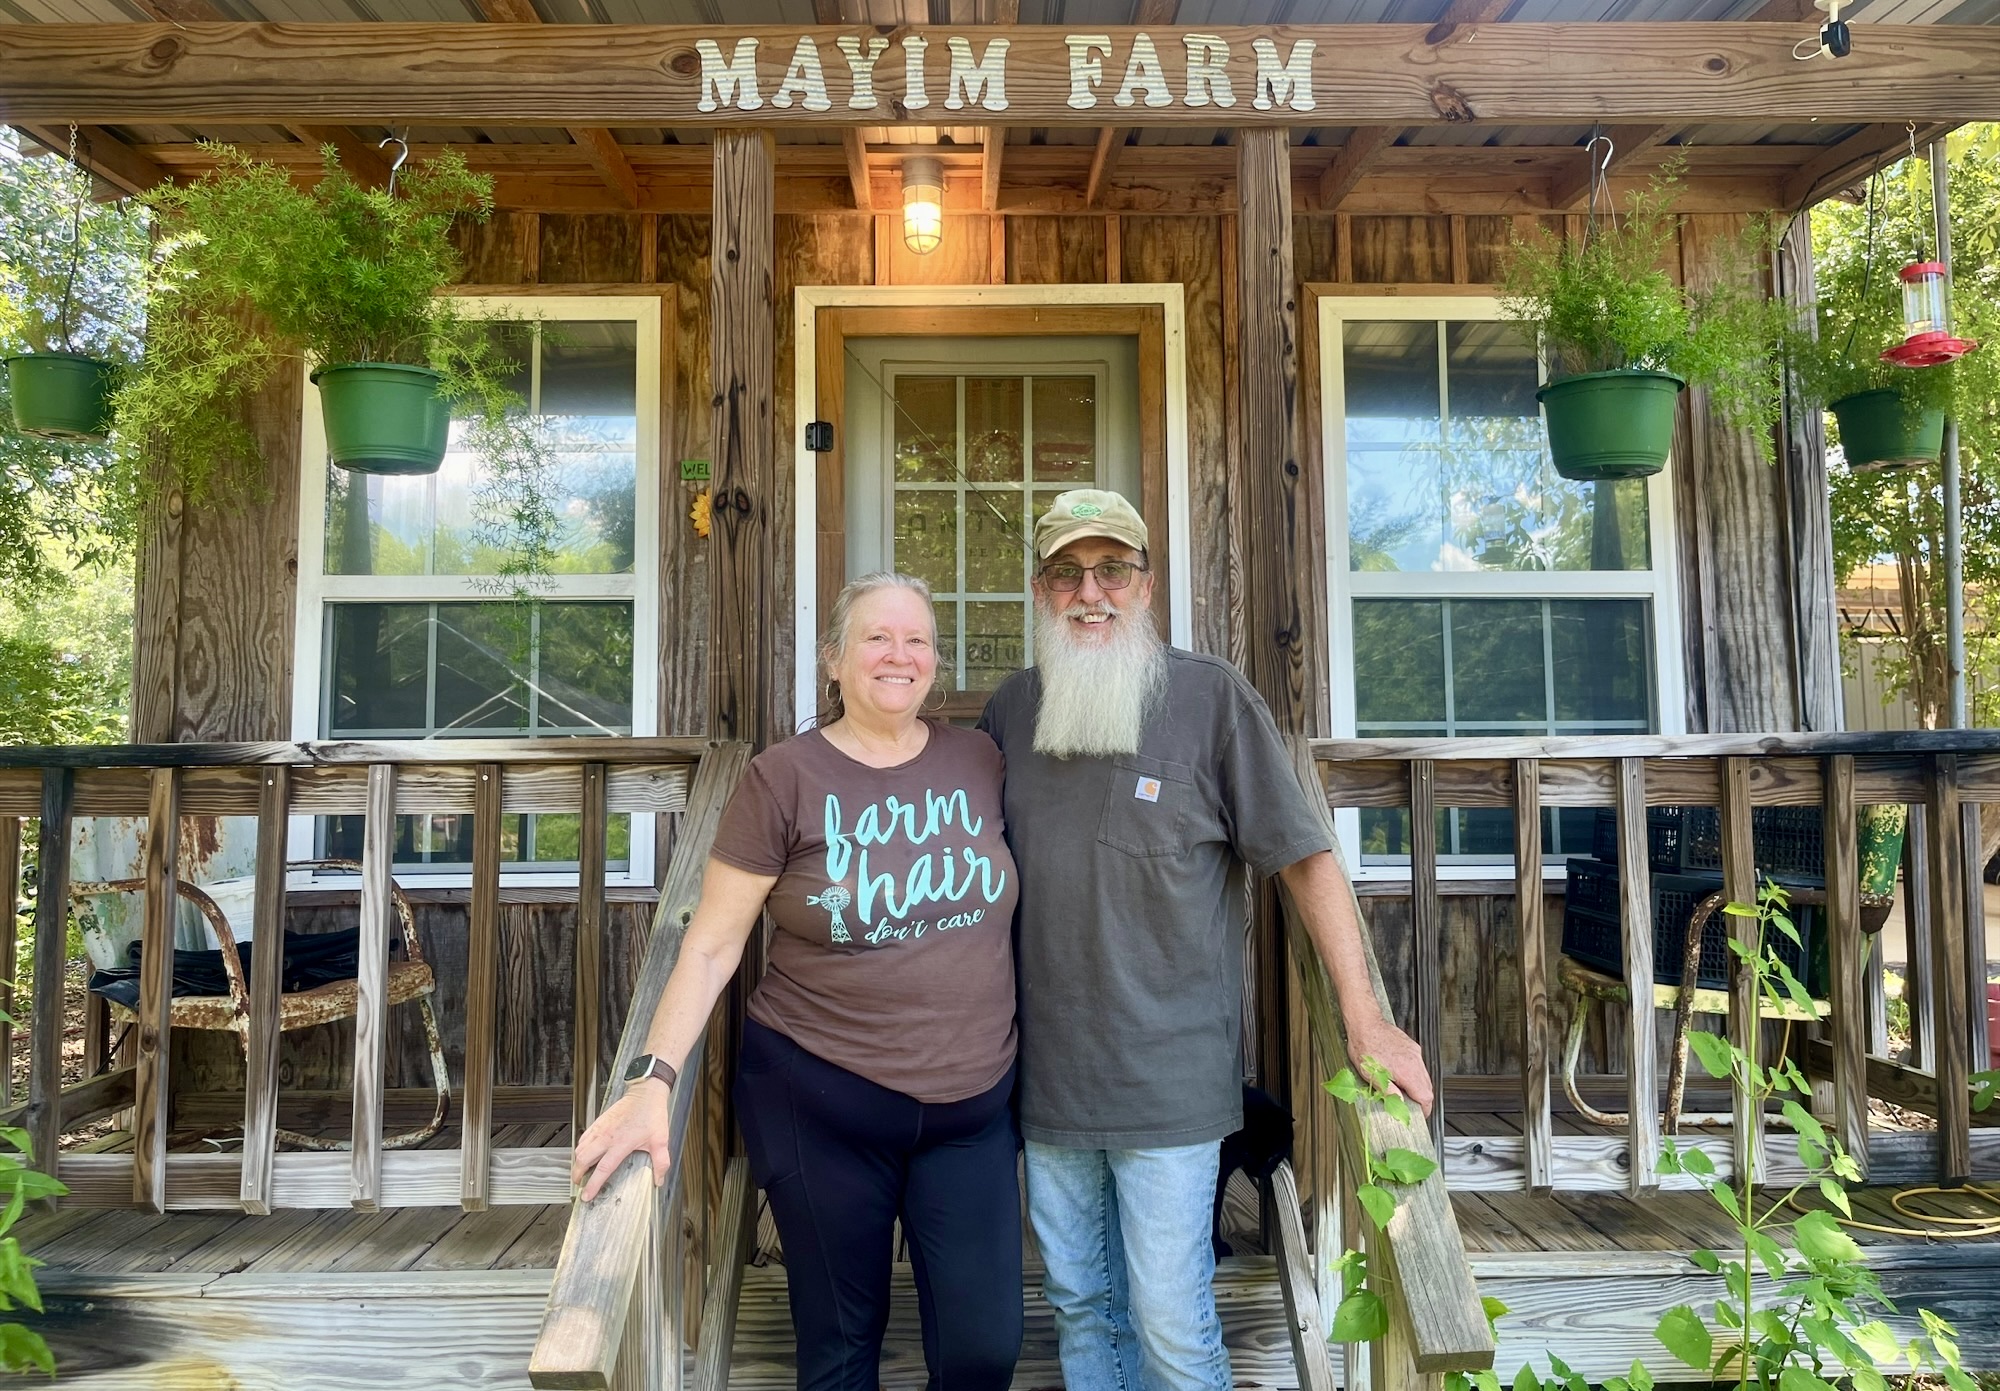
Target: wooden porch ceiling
x=1484, y=107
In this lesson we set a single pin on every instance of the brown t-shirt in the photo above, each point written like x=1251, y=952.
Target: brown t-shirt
x=894, y=906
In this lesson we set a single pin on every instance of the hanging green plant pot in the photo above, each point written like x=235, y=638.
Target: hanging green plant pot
x=1877, y=433
x=1607, y=425
x=383, y=417
x=60, y=396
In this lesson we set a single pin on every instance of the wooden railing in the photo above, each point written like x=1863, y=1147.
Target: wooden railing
x=614, y=1309
x=491, y=779
x=1942, y=775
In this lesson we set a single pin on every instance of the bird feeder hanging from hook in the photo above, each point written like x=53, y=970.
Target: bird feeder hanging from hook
x=1927, y=337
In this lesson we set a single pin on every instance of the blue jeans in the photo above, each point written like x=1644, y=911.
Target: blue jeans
x=1131, y=1272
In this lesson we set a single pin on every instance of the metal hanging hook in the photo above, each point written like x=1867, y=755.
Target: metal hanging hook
x=396, y=165
x=1600, y=174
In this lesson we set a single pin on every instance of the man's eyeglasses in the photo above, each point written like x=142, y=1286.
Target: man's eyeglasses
x=1065, y=577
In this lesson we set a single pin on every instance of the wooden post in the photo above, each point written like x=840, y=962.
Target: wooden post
x=1537, y=1128
x=156, y=988
x=1635, y=905
x=1845, y=950
x=10, y=907
x=1917, y=973
x=51, y=938
x=1428, y=933
x=1948, y=983
x=1286, y=598
x=371, y=984
x=586, y=1078
x=741, y=356
x=1808, y=511
x=267, y=959
x=1973, y=879
x=482, y=985
x=1739, y=881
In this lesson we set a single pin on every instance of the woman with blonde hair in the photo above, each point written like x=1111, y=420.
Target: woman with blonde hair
x=877, y=1065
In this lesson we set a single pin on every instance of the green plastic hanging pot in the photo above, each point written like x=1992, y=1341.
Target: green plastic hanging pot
x=383, y=417
x=1877, y=433
x=60, y=396
x=1605, y=425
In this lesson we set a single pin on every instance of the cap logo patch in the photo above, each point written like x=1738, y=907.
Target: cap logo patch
x=1148, y=790
x=1086, y=510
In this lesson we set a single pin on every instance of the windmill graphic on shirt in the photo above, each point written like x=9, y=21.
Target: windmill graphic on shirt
x=833, y=900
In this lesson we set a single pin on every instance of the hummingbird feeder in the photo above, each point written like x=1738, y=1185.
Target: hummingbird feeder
x=1927, y=338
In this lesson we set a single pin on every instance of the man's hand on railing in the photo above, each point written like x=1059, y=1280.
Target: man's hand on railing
x=1370, y=1036
x=642, y=1119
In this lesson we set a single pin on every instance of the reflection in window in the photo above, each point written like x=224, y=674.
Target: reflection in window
x=977, y=458
x=1447, y=467
x=580, y=380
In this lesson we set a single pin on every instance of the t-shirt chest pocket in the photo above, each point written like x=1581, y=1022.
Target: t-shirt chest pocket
x=1148, y=807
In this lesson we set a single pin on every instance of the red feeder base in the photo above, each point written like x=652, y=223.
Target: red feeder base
x=1928, y=350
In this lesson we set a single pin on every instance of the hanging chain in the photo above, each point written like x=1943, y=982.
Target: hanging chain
x=1916, y=227
x=75, y=240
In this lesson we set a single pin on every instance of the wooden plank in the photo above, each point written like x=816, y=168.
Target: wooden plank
x=267, y=955
x=212, y=754
x=1855, y=158
x=1303, y=1321
x=1948, y=980
x=741, y=354
x=1845, y=952
x=1976, y=966
x=1427, y=931
x=1529, y=900
x=1739, y=881
x=1635, y=902
x=1460, y=13
x=482, y=992
x=993, y=156
x=1918, y=992
x=539, y=75
x=585, y=1047
x=156, y=988
x=591, y=1294
x=732, y=1252
x=371, y=985
x=103, y=154
x=97, y=1096
x=1364, y=145
x=10, y=917
x=52, y=852
x=1103, y=162
x=363, y=161
x=1808, y=509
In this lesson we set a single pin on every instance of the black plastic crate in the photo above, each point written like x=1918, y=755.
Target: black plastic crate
x=1592, y=935
x=1790, y=841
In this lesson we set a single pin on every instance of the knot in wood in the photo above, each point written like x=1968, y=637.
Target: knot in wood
x=1717, y=64
x=166, y=51
x=1450, y=103
x=684, y=64
x=1291, y=468
x=741, y=500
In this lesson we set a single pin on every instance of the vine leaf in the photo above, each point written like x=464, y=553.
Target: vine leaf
x=1378, y=1202
x=1361, y=1318
x=1684, y=1335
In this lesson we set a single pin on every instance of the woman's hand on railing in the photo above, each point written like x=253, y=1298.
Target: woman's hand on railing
x=640, y=1120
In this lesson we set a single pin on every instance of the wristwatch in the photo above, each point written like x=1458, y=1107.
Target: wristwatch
x=649, y=1065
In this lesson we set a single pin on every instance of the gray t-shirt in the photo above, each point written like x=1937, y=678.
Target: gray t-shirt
x=1130, y=925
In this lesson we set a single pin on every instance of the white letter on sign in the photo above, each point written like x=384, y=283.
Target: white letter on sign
x=1085, y=72
x=1208, y=70
x=984, y=82
x=733, y=83
x=1143, y=72
x=804, y=79
x=915, y=98
x=862, y=98
x=1287, y=84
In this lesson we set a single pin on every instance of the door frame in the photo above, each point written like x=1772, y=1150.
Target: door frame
x=827, y=315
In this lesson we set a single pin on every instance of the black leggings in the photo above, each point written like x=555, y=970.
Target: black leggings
x=840, y=1159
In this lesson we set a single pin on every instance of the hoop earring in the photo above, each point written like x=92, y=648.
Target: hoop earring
x=942, y=696
x=832, y=691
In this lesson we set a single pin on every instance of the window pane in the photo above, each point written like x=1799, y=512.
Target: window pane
x=1496, y=660
x=1391, y=377
x=995, y=644
x=926, y=543
x=995, y=555
x=379, y=661
x=590, y=369
x=1065, y=448
x=926, y=410
x=584, y=676
x=483, y=656
x=993, y=429
x=377, y=525
x=1398, y=662
x=1603, y=659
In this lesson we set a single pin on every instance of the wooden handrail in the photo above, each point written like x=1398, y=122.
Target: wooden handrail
x=1434, y=1306
x=332, y=752
x=583, y=1323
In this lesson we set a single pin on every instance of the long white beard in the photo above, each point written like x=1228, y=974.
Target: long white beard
x=1095, y=696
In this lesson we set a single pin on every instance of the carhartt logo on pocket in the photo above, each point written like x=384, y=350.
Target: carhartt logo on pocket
x=1148, y=790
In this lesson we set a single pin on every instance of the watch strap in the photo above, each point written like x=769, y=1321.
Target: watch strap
x=658, y=1067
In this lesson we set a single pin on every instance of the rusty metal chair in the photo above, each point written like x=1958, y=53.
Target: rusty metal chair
x=410, y=981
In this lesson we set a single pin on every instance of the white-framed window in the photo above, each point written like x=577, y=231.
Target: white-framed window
x=406, y=630
x=1474, y=591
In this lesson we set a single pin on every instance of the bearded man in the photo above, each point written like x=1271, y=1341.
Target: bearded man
x=1142, y=783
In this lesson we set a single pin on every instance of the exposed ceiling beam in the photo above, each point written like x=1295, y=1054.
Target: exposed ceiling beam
x=831, y=12
x=1111, y=139
x=1854, y=159
x=993, y=139
x=1364, y=143
x=598, y=144
x=1461, y=12
x=1568, y=189
x=103, y=154
x=361, y=159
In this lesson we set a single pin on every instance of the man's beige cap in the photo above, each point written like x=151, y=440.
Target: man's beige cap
x=1088, y=512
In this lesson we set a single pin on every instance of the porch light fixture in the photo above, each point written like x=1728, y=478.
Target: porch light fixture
x=923, y=203
x=1927, y=340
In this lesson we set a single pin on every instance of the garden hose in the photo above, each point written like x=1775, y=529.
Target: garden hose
x=1945, y=1228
